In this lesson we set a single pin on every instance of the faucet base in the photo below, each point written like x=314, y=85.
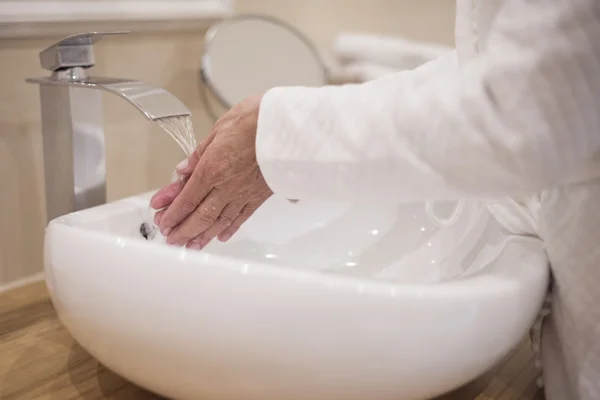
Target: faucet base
x=68, y=113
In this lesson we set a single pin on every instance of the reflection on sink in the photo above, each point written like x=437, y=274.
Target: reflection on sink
x=307, y=301
x=395, y=243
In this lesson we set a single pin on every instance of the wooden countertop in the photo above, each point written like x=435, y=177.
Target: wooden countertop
x=39, y=360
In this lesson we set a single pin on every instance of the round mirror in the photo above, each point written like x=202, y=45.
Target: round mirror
x=248, y=55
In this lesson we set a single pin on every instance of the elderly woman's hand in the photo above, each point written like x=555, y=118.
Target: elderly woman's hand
x=221, y=183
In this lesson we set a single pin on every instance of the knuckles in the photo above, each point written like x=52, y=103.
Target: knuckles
x=224, y=220
x=187, y=204
x=205, y=216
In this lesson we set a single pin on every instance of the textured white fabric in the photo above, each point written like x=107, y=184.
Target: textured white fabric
x=519, y=118
x=518, y=115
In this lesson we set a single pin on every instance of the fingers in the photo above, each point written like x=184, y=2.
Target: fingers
x=184, y=169
x=187, y=166
x=199, y=184
x=223, y=221
x=166, y=195
x=193, y=193
x=197, y=221
x=235, y=225
x=158, y=216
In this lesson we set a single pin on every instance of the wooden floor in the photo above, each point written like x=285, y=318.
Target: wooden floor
x=40, y=360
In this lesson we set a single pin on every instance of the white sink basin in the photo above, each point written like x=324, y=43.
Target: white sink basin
x=307, y=302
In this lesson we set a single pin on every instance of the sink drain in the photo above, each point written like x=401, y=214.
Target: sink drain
x=146, y=230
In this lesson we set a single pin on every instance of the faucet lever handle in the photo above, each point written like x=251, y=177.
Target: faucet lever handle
x=73, y=51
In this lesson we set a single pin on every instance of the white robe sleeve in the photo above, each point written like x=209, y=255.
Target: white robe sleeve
x=521, y=117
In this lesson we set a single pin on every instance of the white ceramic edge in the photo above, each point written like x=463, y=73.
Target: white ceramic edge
x=24, y=19
x=477, y=283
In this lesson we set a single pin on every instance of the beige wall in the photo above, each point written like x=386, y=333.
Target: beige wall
x=140, y=157
x=322, y=19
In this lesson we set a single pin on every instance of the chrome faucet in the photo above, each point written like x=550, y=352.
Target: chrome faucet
x=70, y=109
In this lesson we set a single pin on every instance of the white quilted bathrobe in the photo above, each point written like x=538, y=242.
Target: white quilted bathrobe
x=514, y=112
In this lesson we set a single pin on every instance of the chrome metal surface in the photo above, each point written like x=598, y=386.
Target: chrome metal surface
x=70, y=74
x=151, y=101
x=67, y=114
x=72, y=121
x=73, y=51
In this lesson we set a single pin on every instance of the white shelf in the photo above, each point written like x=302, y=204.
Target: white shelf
x=22, y=19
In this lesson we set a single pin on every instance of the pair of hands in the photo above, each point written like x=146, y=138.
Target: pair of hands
x=220, y=184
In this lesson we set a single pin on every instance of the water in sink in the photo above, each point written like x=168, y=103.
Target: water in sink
x=391, y=242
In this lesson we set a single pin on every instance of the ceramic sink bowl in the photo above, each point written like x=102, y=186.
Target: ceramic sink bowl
x=310, y=301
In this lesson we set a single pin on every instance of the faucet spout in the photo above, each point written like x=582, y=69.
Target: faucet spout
x=153, y=102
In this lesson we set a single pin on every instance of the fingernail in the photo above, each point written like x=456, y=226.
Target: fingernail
x=225, y=237
x=166, y=231
x=195, y=246
x=182, y=165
